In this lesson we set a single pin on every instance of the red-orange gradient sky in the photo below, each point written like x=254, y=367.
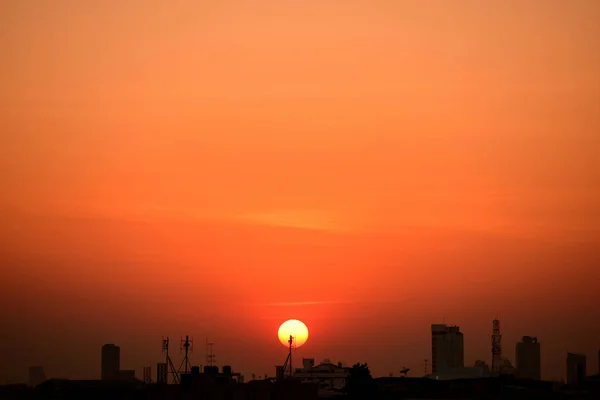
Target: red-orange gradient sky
x=192, y=167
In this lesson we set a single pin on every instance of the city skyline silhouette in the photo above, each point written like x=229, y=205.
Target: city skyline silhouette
x=370, y=168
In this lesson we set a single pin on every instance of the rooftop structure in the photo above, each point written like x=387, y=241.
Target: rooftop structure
x=326, y=374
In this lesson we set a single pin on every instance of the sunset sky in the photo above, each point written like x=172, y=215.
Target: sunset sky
x=369, y=167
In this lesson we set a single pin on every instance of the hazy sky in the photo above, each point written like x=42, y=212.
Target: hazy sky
x=192, y=167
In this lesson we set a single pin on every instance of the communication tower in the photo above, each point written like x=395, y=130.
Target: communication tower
x=496, y=347
x=210, y=356
x=187, y=345
x=170, y=367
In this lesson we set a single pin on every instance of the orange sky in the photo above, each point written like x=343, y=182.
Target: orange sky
x=186, y=166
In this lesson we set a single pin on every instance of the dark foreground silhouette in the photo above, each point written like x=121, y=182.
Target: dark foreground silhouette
x=359, y=385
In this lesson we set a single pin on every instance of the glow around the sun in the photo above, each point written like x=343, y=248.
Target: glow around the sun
x=295, y=328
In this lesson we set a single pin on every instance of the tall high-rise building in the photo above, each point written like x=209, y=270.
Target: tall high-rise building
x=447, y=348
x=576, y=368
x=36, y=376
x=111, y=362
x=528, y=359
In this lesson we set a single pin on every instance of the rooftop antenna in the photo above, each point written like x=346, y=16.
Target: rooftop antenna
x=210, y=356
x=187, y=345
x=170, y=367
x=288, y=360
x=292, y=344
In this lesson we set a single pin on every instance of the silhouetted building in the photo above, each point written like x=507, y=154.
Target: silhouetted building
x=505, y=388
x=36, y=375
x=483, y=367
x=506, y=368
x=480, y=369
x=527, y=357
x=279, y=372
x=576, y=368
x=88, y=390
x=447, y=348
x=147, y=374
x=210, y=376
x=162, y=374
x=481, y=364
x=127, y=375
x=215, y=386
x=111, y=362
x=326, y=375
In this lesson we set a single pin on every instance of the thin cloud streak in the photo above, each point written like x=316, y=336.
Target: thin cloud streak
x=330, y=302
x=319, y=220
x=307, y=303
x=299, y=303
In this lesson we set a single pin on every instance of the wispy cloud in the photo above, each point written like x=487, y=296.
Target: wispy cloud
x=303, y=219
x=307, y=303
x=299, y=303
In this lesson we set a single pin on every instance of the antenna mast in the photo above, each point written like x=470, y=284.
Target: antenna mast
x=187, y=345
x=291, y=341
x=210, y=356
x=170, y=367
x=288, y=360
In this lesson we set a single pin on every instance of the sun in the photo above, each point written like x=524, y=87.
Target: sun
x=293, y=327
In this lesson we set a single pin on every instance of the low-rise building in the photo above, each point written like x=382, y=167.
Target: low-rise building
x=327, y=375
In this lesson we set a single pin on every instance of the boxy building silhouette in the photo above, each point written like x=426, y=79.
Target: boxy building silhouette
x=111, y=362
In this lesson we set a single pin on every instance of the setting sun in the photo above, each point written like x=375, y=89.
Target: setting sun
x=293, y=327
